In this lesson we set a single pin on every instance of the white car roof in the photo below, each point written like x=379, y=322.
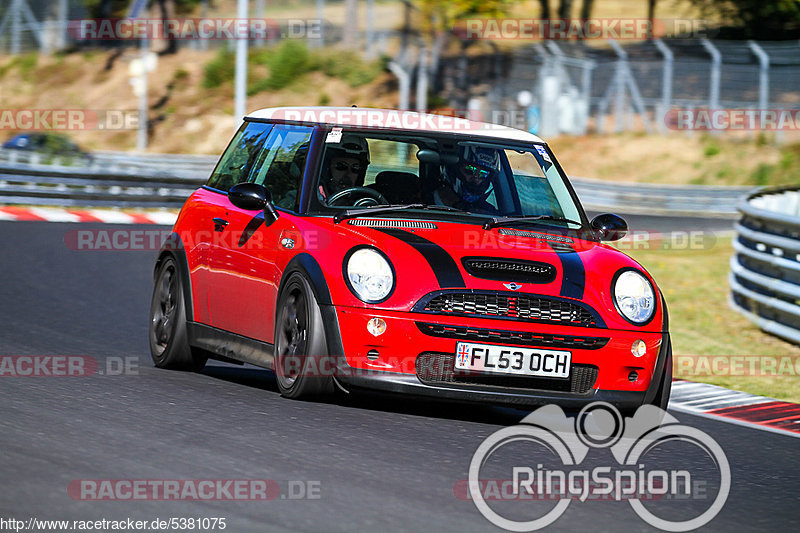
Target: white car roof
x=394, y=119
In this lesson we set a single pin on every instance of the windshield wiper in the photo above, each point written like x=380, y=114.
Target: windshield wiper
x=504, y=221
x=380, y=209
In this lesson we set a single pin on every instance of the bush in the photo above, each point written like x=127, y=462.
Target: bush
x=291, y=60
x=220, y=69
x=347, y=66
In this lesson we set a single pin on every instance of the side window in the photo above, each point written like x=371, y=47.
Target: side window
x=280, y=164
x=235, y=163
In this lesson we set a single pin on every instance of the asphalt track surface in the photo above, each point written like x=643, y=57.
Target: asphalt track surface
x=383, y=464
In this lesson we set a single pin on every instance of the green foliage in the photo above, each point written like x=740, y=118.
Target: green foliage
x=219, y=70
x=761, y=175
x=784, y=172
x=291, y=60
x=438, y=16
x=24, y=64
x=119, y=8
x=181, y=74
x=711, y=150
x=755, y=19
x=346, y=65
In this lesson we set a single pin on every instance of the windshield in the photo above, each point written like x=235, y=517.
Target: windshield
x=426, y=173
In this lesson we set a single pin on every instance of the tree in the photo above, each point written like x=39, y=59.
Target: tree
x=565, y=9
x=545, y=5
x=651, y=16
x=755, y=19
x=586, y=9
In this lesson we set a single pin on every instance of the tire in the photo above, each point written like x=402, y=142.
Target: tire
x=303, y=367
x=661, y=398
x=169, y=341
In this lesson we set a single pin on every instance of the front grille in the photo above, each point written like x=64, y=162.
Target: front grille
x=435, y=368
x=380, y=223
x=509, y=269
x=522, y=338
x=510, y=306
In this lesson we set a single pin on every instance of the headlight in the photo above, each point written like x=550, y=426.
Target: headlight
x=634, y=297
x=369, y=275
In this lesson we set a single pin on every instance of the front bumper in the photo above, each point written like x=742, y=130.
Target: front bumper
x=390, y=362
x=411, y=385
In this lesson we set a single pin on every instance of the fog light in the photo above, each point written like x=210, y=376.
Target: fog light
x=633, y=376
x=376, y=326
x=638, y=348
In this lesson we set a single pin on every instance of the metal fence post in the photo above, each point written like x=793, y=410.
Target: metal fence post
x=370, y=36
x=666, y=84
x=716, y=66
x=763, y=79
x=16, y=26
x=404, y=83
x=320, y=17
x=422, y=80
x=619, y=85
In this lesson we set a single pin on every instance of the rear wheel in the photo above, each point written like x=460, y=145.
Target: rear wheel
x=169, y=341
x=302, y=366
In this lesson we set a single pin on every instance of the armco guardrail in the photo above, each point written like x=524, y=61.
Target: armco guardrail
x=645, y=198
x=765, y=269
x=174, y=165
x=68, y=186
x=166, y=180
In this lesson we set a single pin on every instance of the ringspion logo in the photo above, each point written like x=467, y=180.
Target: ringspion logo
x=547, y=452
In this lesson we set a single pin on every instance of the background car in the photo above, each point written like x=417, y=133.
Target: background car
x=48, y=145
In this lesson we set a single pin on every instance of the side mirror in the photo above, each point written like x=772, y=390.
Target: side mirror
x=254, y=197
x=609, y=227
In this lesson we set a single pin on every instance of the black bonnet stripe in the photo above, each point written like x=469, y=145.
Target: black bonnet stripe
x=442, y=264
x=573, y=275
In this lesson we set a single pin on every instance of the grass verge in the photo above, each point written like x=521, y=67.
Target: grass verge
x=695, y=284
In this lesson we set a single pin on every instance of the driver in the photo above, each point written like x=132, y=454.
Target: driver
x=468, y=183
x=347, y=165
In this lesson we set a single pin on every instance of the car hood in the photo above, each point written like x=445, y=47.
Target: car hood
x=430, y=256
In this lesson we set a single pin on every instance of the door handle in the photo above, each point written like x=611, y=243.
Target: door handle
x=219, y=224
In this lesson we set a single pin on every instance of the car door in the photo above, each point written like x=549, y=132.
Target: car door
x=243, y=275
x=210, y=213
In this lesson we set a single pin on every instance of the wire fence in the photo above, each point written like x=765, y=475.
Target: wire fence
x=51, y=25
x=657, y=86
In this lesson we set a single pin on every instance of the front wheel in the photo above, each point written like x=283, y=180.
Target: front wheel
x=303, y=368
x=169, y=341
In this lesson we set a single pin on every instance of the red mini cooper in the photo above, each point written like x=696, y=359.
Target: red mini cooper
x=418, y=254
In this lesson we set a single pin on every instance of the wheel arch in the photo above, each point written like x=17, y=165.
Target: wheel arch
x=308, y=267
x=173, y=247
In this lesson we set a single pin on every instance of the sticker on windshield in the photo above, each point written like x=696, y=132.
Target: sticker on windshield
x=543, y=153
x=334, y=136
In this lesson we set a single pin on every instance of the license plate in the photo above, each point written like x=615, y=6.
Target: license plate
x=513, y=360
